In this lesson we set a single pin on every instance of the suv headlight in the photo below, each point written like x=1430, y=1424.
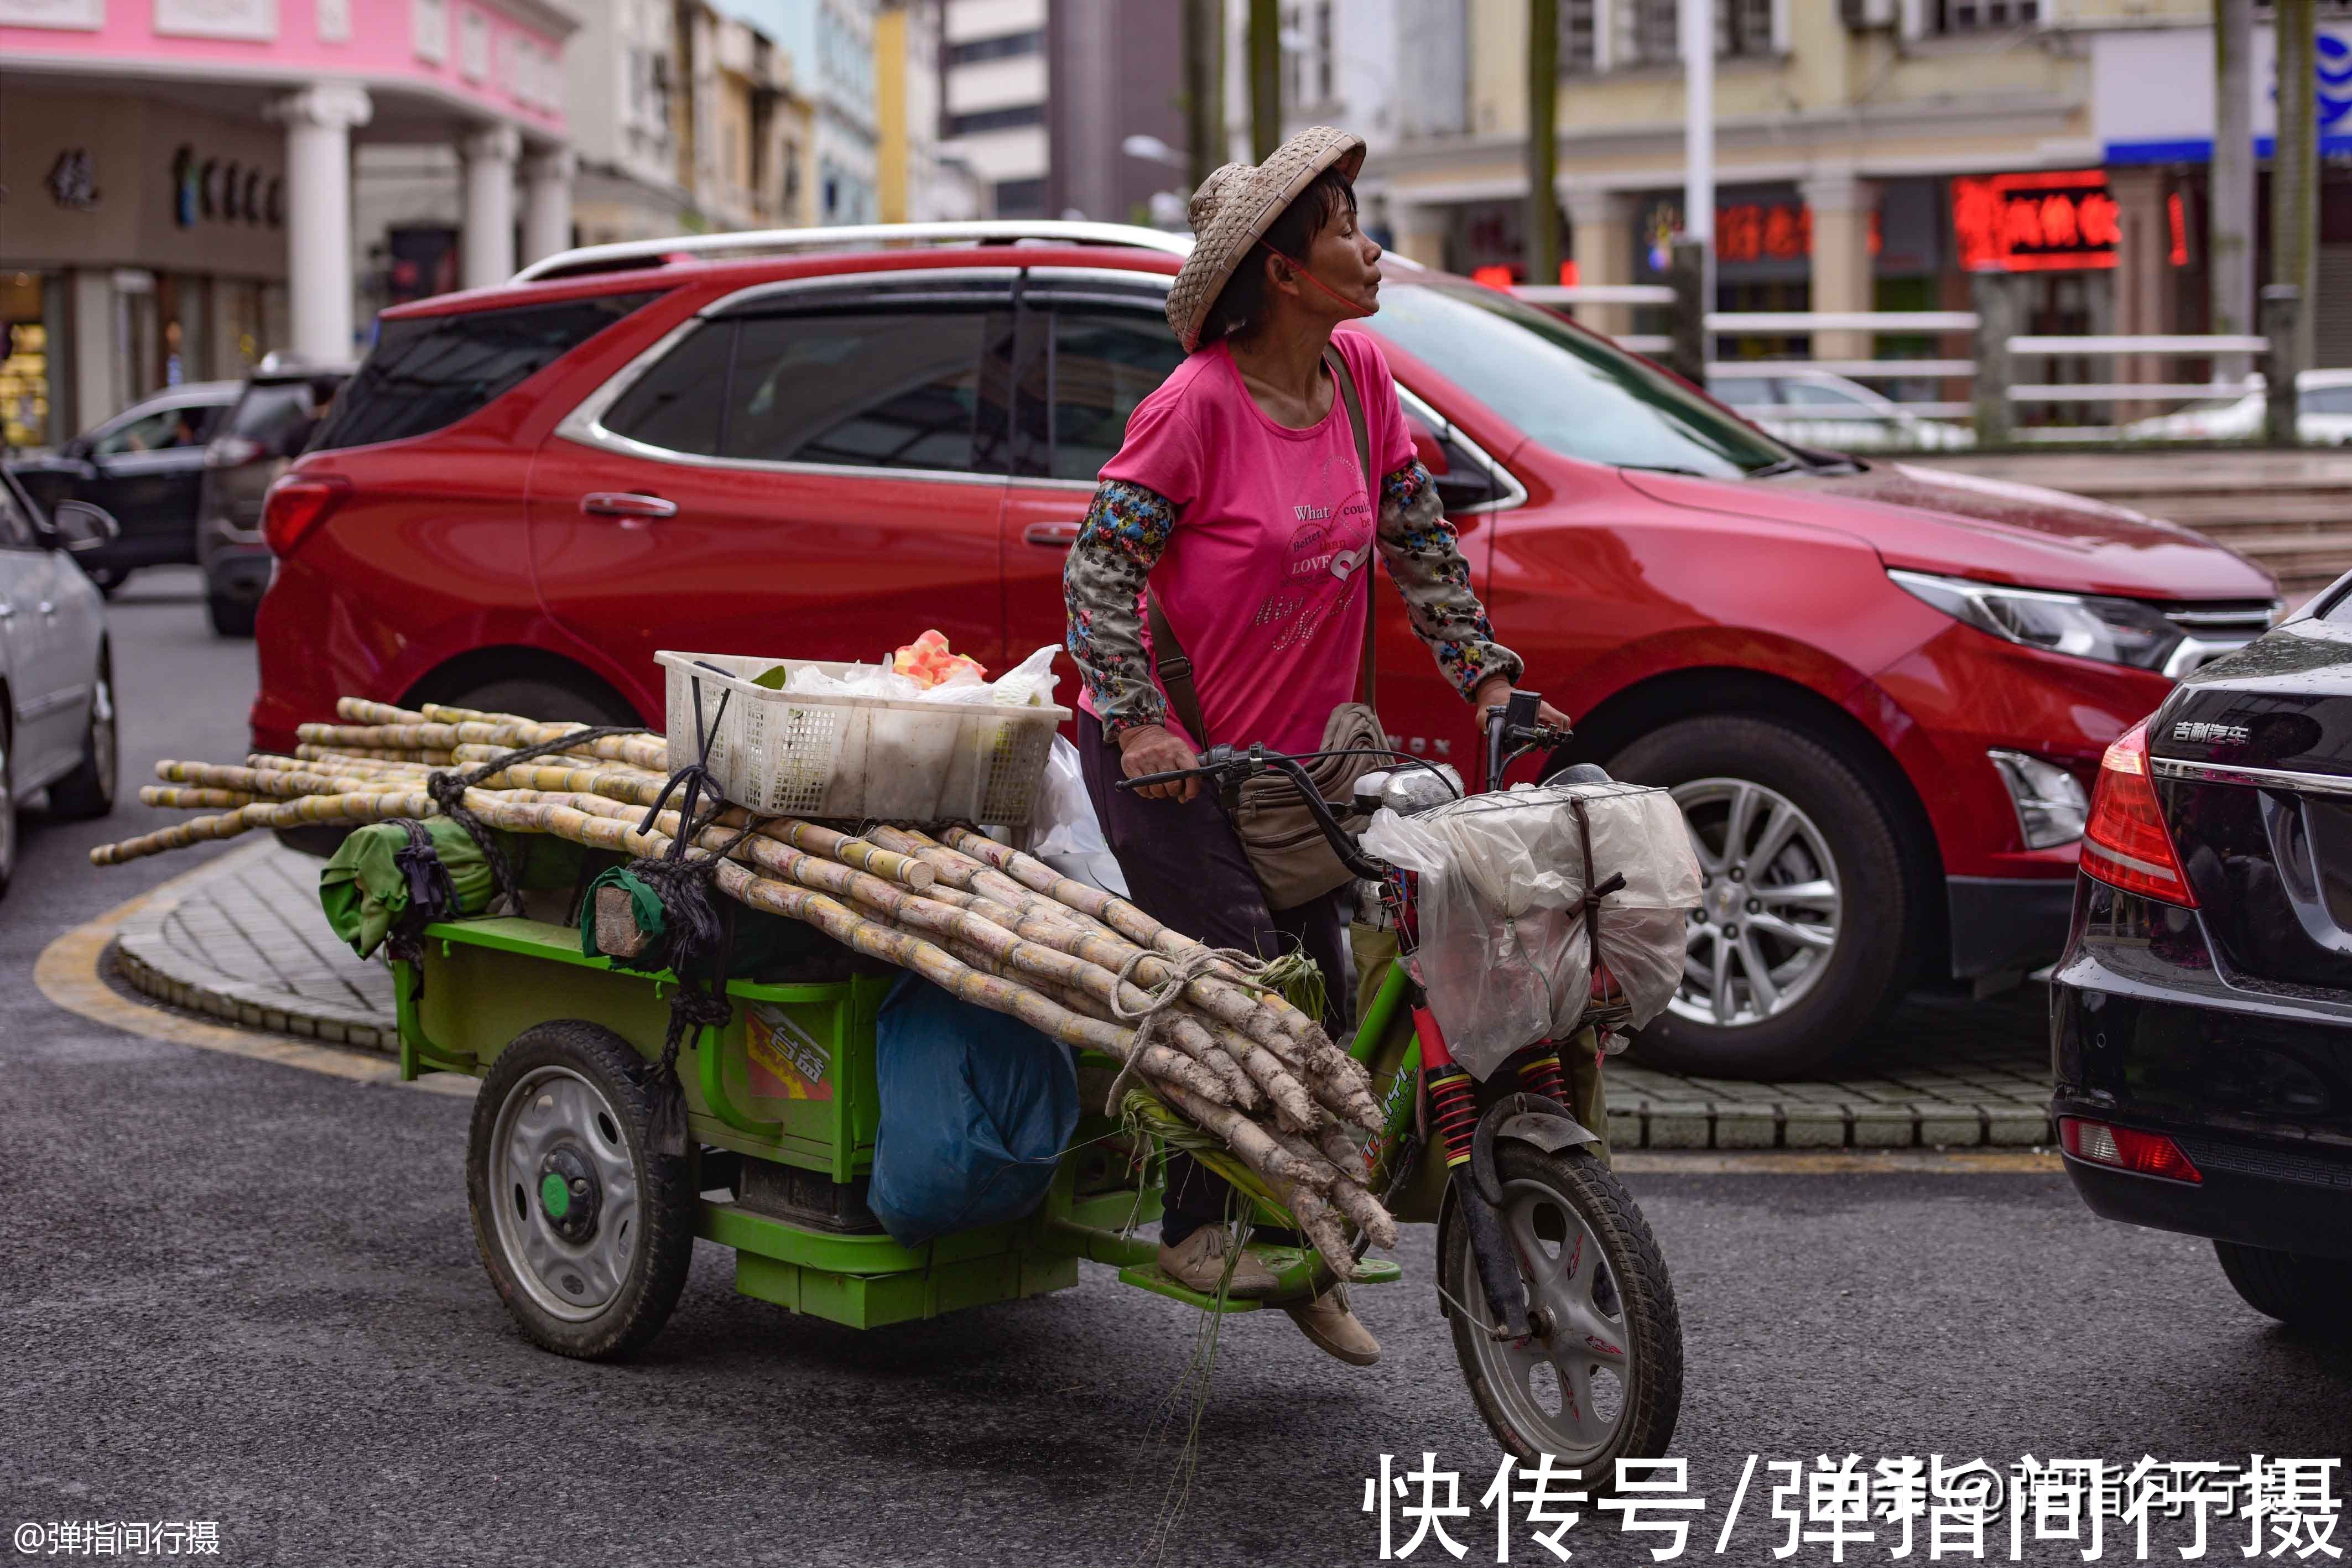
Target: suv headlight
x=2051, y=805
x=2113, y=630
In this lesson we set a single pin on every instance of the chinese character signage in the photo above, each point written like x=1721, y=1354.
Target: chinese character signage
x=2051, y=222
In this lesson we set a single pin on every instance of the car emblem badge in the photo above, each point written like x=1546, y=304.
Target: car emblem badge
x=2198, y=733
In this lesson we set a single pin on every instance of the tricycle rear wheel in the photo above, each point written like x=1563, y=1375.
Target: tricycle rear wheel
x=1604, y=1380
x=585, y=1231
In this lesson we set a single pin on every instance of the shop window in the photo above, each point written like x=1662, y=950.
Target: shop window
x=24, y=362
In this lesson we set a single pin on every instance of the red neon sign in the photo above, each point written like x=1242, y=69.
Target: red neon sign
x=2053, y=222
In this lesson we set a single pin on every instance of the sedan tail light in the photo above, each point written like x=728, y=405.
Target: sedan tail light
x=297, y=504
x=2125, y=843
x=2123, y=1149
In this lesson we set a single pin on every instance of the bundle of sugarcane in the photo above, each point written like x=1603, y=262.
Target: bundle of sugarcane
x=1195, y=1028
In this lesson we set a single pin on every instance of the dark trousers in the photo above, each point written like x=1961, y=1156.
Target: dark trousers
x=1185, y=867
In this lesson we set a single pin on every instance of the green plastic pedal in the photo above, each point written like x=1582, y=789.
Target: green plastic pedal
x=1149, y=1276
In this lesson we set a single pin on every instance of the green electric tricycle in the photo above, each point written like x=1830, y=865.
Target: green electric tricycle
x=1562, y=1313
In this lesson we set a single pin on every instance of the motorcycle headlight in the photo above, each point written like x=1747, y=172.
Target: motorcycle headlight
x=2088, y=626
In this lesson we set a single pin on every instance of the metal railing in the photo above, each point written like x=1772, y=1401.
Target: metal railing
x=1926, y=323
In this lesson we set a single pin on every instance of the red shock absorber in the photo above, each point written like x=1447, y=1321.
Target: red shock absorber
x=1541, y=1074
x=1454, y=1110
x=1452, y=1103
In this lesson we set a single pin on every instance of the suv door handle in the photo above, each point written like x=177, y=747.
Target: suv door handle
x=1051, y=536
x=626, y=504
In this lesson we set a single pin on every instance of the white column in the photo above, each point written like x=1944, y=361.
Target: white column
x=1842, y=277
x=318, y=121
x=1695, y=23
x=547, y=204
x=489, y=240
x=1600, y=237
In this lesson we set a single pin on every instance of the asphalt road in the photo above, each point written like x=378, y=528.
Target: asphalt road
x=247, y=1293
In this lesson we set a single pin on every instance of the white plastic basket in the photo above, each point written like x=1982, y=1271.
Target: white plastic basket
x=805, y=754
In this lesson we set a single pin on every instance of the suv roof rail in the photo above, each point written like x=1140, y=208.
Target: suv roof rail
x=1001, y=231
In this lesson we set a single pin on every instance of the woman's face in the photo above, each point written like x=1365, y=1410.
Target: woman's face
x=1345, y=261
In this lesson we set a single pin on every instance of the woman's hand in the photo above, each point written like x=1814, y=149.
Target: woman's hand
x=1496, y=690
x=1151, y=748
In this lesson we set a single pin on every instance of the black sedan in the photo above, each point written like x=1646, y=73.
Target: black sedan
x=2201, y=1017
x=146, y=467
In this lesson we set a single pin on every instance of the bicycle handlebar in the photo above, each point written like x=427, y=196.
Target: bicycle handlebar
x=1511, y=733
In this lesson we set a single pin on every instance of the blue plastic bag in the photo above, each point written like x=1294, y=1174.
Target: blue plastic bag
x=976, y=1110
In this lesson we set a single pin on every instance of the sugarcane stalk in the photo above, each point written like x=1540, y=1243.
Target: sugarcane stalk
x=1115, y=912
x=426, y=756
x=358, y=710
x=263, y=781
x=309, y=810
x=178, y=798
x=970, y=937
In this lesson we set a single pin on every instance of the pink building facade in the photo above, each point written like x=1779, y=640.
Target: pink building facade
x=175, y=177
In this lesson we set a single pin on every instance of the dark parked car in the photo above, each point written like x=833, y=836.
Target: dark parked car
x=2201, y=1017
x=269, y=425
x=143, y=467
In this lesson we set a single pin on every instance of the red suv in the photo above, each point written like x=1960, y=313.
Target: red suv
x=1877, y=691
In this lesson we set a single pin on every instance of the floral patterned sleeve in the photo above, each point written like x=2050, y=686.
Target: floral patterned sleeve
x=1425, y=559
x=1124, y=533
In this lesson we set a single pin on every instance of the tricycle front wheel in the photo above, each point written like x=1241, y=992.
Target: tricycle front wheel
x=1601, y=1378
x=585, y=1231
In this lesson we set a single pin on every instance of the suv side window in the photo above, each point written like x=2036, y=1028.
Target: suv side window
x=157, y=432
x=1105, y=361
x=896, y=387
x=432, y=371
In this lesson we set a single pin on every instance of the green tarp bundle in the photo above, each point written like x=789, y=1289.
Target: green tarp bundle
x=365, y=892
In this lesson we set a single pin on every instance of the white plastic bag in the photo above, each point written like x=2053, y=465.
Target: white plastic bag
x=1503, y=956
x=1029, y=684
x=856, y=681
x=1069, y=836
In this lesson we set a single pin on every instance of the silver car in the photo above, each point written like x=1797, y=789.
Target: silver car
x=56, y=683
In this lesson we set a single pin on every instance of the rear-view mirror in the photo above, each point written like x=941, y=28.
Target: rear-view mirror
x=81, y=527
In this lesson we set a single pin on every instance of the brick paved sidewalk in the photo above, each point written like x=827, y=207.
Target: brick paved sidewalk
x=245, y=941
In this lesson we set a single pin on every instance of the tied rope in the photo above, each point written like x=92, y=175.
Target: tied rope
x=448, y=786
x=698, y=937
x=1245, y=969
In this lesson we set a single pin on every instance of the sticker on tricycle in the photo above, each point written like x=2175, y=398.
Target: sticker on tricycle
x=786, y=1062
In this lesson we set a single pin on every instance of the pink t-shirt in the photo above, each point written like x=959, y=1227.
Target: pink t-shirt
x=1265, y=578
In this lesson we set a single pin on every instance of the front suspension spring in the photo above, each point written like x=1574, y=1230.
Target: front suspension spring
x=1541, y=1074
x=1454, y=1110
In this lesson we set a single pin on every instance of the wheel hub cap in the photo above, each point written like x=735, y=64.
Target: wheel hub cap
x=566, y=1197
x=1769, y=907
x=569, y=1194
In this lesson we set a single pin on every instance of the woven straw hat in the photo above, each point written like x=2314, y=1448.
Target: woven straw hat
x=1233, y=208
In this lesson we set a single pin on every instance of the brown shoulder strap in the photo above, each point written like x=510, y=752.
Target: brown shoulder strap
x=1345, y=382
x=1175, y=672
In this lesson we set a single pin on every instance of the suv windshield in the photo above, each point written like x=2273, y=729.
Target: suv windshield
x=1570, y=392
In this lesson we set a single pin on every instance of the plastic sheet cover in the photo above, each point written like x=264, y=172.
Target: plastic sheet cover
x=1504, y=956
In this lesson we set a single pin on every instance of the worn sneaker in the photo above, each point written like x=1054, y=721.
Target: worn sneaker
x=1198, y=1263
x=1336, y=1331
